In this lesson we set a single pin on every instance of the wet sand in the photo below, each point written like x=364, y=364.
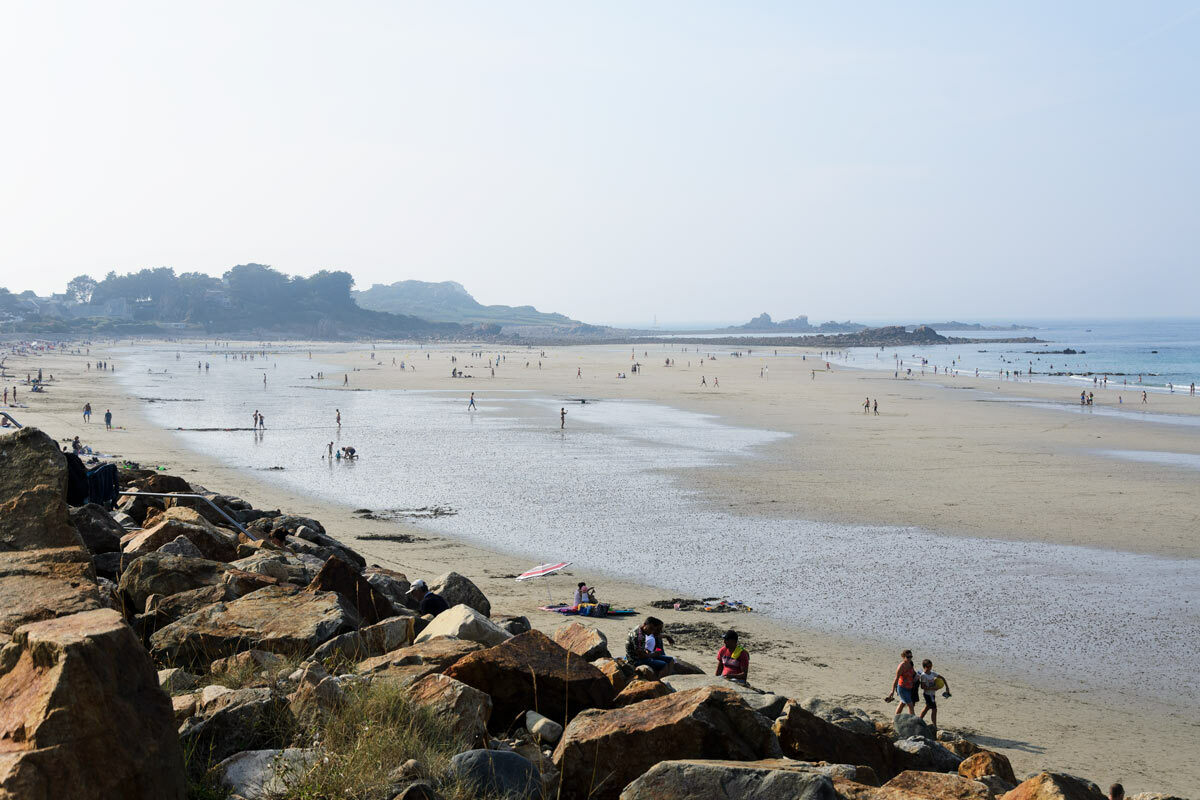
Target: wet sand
x=947, y=459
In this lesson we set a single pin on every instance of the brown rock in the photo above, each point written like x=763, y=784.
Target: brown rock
x=42, y=584
x=241, y=582
x=140, y=507
x=410, y=664
x=82, y=715
x=530, y=672
x=962, y=748
x=165, y=574
x=278, y=619
x=1055, y=786
x=806, y=737
x=183, y=706
x=583, y=640
x=248, y=661
x=99, y=531
x=618, y=674
x=640, y=690
x=602, y=751
x=212, y=542
x=338, y=576
x=912, y=785
x=988, y=762
x=464, y=708
x=768, y=779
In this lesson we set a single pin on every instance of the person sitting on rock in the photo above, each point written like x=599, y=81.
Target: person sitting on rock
x=642, y=648
x=733, y=662
x=427, y=602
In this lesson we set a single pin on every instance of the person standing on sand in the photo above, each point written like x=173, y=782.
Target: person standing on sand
x=929, y=686
x=1143, y=395
x=562, y=419
x=107, y=420
x=346, y=379
x=329, y=449
x=733, y=662
x=702, y=381
x=867, y=405
x=87, y=412
x=254, y=424
x=339, y=416
x=579, y=372
x=904, y=683
x=876, y=407
x=471, y=404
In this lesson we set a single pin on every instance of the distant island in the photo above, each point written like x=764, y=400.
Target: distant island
x=449, y=301
x=764, y=324
x=971, y=326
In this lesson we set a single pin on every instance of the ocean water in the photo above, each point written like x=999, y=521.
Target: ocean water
x=611, y=495
x=1159, y=352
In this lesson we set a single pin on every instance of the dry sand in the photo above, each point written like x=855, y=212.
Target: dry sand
x=938, y=456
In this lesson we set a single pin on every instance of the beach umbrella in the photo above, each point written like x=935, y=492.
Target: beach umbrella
x=542, y=570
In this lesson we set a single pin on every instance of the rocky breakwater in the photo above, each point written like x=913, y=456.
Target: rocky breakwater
x=155, y=651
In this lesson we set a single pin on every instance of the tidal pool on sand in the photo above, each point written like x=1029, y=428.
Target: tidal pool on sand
x=610, y=494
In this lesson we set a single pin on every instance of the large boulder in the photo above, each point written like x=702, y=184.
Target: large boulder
x=455, y=589
x=393, y=585
x=208, y=539
x=934, y=786
x=852, y=719
x=584, y=641
x=1055, y=786
x=602, y=751
x=988, y=762
x=265, y=774
x=806, y=737
x=278, y=619
x=140, y=506
x=181, y=546
x=618, y=673
x=409, y=664
x=768, y=704
x=928, y=755
x=242, y=719
x=905, y=726
x=99, y=531
x=498, y=773
x=465, y=709
x=338, y=576
x=640, y=689
x=165, y=574
x=464, y=622
x=532, y=672
x=46, y=570
x=82, y=715
x=697, y=779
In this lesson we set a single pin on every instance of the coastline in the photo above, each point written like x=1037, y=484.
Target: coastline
x=1085, y=733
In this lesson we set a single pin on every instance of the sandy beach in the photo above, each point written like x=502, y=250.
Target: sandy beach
x=960, y=456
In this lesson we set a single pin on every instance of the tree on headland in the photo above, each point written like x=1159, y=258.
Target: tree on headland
x=81, y=287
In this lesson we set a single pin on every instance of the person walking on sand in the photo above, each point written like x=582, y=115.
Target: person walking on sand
x=904, y=683
x=1143, y=395
x=254, y=424
x=329, y=449
x=107, y=419
x=346, y=379
x=562, y=419
x=471, y=404
x=579, y=372
x=930, y=682
x=867, y=406
x=87, y=412
x=262, y=422
x=338, y=416
x=702, y=381
x=875, y=407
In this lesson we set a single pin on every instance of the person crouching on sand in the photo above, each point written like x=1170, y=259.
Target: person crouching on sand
x=906, y=683
x=733, y=662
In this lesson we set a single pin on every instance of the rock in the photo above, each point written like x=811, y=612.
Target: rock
x=935, y=786
x=317, y=696
x=584, y=641
x=960, y=747
x=212, y=542
x=99, y=531
x=183, y=706
x=277, y=619
x=602, y=751
x=110, y=565
x=165, y=574
x=988, y=762
x=640, y=689
x=410, y=664
x=45, y=583
x=997, y=785
x=388, y=635
x=264, y=774
x=456, y=589
x=544, y=730
x=233, y=721
x=177, y=606
x=682, y=667
x=772, y=779
x=618, y=675
x=1055, y=786
x=418, y=790
x=1153, y=796
x=155, y=481
x=855, y=719
x=274, y=565
x=181, y=546
x=464, y=708
x=176, y=680
x=138, y=506
x=338, y=576
x=532, y=672
x=348, y=647
x=512, y=625
x=241, y=583
x=247, y=662
x=464, y=622
x=499, y=773
x=31, y=458
x=909, y=725
x=806, y=737
x=391, y=584
x=82, y=715
x=768, y=704
x=928, y=755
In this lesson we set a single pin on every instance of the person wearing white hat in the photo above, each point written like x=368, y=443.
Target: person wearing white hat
x=427, y=602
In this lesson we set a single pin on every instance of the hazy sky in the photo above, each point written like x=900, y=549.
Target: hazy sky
x=615, y=161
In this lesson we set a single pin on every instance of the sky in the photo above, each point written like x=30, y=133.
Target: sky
x=619, y=161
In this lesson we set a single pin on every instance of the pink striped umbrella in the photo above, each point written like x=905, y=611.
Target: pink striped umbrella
x=544, y=569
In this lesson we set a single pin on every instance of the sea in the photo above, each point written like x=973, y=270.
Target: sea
x=612, y=495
